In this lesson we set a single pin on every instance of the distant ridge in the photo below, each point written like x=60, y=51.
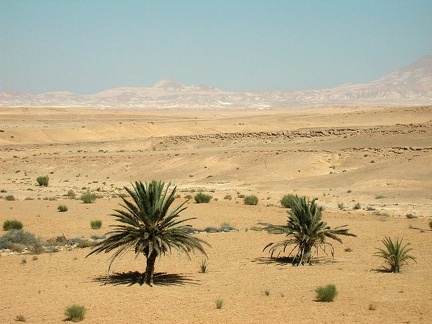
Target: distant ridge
x=409, y=85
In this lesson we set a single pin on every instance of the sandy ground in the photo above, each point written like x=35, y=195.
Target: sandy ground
x=379, y=157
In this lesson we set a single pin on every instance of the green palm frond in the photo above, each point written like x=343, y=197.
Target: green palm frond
x=305, y=230
x=148, y=225
x=395, y=254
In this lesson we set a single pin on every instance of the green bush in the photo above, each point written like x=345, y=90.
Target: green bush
x=96, y=224
x=395, y=254
x=43, y=181
x=219, y=303
x=75, y=313
x=62, y=208
x=12, y=225
x=17, y=237
x=9, y=198
x=88, y=197
x=326, y=294
x=250, y=200
x=202, y=198
x=71, y=194
x=287, y=200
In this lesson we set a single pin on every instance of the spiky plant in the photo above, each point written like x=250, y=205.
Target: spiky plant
x=305, y=230
x=395, y=254
x=148, y=227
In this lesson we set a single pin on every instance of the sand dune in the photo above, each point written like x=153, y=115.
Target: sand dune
x=379, y=157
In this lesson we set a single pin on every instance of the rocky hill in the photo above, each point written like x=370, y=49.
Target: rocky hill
x=410, y=85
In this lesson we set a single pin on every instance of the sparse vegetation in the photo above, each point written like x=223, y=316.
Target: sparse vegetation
x=326, y=294
x=219, y=303
x=20, y=318
x=88, y=197
x=202, y=198
x=17, y=238
x=10, y=198
x=287, y=200
x=203, y=266
x=149, y=228
x=228, y=197
x=267, y=292
x=12, y=225
x=71, y=194
x=357, y=206
x=62, y=208
x=395, y=254
x=305, y=230
x=75, y=313
x=341, y=206
x=430, y=224
x=250, y=200
x=96, y=224
x=43, y=181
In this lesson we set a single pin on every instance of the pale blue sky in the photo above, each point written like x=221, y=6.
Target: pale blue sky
x=86, y=46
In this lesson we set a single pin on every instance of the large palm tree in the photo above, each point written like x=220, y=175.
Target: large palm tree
x=148, y=227
x=304, y=230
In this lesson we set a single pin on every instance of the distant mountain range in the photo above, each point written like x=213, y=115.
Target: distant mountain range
x=410, y=85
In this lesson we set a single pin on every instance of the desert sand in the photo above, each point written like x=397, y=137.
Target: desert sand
x=378, y=157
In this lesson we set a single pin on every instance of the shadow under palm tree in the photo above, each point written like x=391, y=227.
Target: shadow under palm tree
x=134, y=277
x=278, y=260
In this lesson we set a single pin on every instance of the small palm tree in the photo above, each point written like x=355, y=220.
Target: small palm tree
x=148, y=227
x=395, y=254
x=304, y=230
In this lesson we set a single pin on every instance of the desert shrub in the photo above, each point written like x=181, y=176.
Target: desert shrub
x=9, y=198
x=62, y=208
x=85, y=244
x=96, y=224
x=250, y=200
x=395, y=254
x=20, y=237
x=267, y=292
x=20, y=318
x=228, y=197
x=12, y=225
x=225, y=227
x=211, y=229
x=88, y=197
x=430, y=224
x=75, y=313
x=203, y=266
x=410, y=216
x=357, y=206
x=240, y=196
x=219, y=303
x=287, y=200
x=202, y=198
x=43, y=181
x=326, y=294
x=71, y=194
x=37, y=248
x=341, y=206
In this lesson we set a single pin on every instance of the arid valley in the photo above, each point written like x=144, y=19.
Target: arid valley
x=369, y=167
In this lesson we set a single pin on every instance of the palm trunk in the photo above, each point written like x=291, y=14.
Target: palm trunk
x=307, y=254
x=149, y=273
x=304, y=255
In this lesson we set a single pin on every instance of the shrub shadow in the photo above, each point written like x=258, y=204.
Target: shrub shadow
x=134, y=277
x=278, y=260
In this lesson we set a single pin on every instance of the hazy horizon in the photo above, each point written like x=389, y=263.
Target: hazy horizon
x=90, y=46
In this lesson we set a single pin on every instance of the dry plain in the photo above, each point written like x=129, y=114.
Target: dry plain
x=379, y=157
